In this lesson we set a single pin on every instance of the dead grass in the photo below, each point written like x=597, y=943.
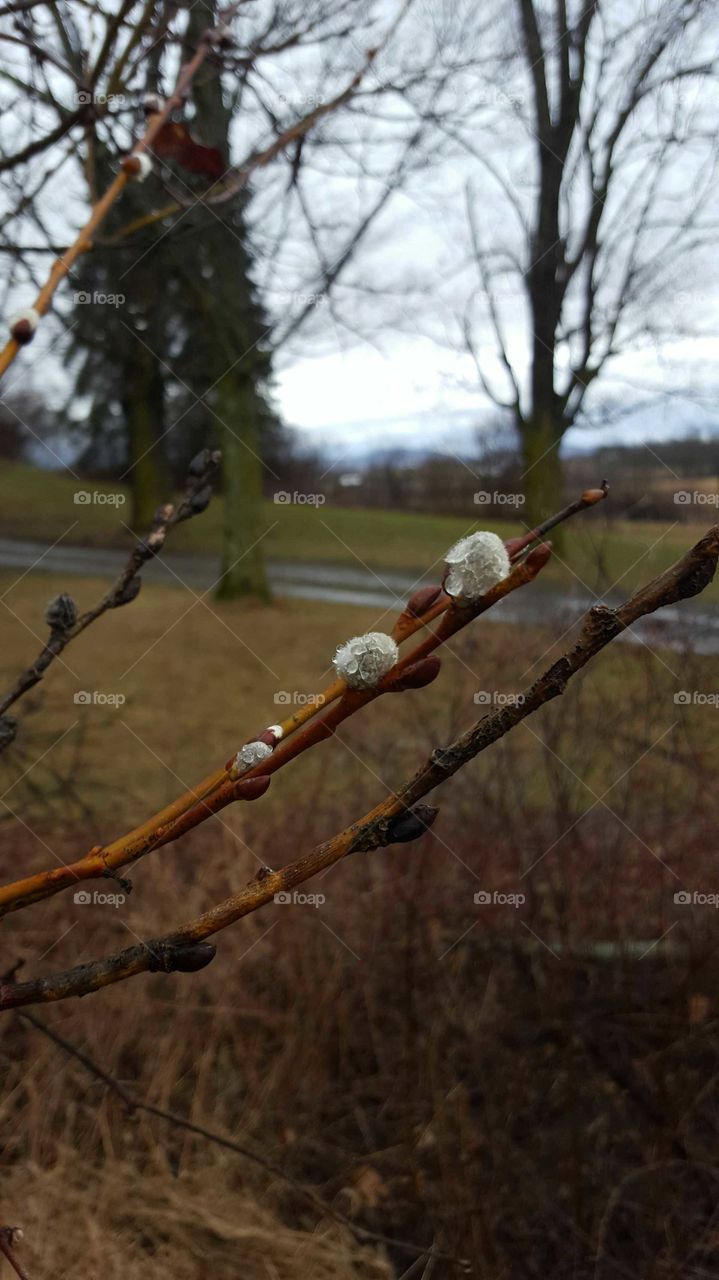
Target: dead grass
x=394, y=1049
x=98, y=1223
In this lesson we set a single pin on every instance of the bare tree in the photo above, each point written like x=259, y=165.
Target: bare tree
x=592, y=169
x=282, y=78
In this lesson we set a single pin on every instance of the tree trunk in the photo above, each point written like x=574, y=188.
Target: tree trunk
x=144, y=409
x=243, y=568
x=543, y=477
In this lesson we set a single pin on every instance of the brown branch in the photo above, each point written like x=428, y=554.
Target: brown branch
x=686, y=578
x=61, y=614
x=8, y=1236
x=363, y=1235
x=131, y=167
x=220, y=788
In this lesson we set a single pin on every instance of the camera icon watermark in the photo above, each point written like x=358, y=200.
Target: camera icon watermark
x=695, y=698
x=486, y=498
x=497, y=898
x=84, y=898
x=296, y=898
x=84, y=98
x=94, y=698
x=686, y=497
x=284, y=499
x=95, y=498
x=695, y=898
x=293, y=697
x=495, y=698
x=84, y=299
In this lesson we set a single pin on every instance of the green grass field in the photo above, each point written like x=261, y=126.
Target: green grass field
x=599, y=551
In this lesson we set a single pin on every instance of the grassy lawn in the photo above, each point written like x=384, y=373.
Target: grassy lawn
x=599, y=552
x=197, y=679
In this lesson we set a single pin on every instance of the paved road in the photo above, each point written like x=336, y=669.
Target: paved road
x=355, y=585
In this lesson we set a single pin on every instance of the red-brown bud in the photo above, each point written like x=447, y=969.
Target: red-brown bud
x=252, y=788
x=538, y=557
x=418, y=675
x=422, y=600
x=515, y=545
x=592, y=496
x=23, y=326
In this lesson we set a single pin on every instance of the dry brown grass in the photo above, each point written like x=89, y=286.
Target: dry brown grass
x=394, y=1050
x=102, y=1223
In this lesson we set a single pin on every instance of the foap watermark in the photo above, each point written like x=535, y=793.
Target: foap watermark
x=84, y=98
x=96, y=498
x=694, y=898
x=297, y=898
x=295, y=698
x=98, y=898
x=95, y=299
x=695, y=698
x=284, y=499
x=495, y=698
x=493, y=498
x=696, y=497
x=94, y=698
x=310, y=299
x=498, y=898
x=298, y=100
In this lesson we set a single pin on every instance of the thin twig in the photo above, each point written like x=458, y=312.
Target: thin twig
x=298, y=733
x=125, y=588
x=176, y=950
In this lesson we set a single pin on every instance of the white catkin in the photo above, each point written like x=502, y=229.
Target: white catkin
x=475, y=564
x=362, y=661
x=251, y=754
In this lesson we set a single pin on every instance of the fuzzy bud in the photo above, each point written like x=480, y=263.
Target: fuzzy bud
x=253, y=753
x=23, y=325
x=364, y=660
x=475, y=565
x=61, y=613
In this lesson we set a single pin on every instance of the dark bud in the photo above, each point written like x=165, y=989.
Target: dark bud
x=422, y=600
x=200, y=463
x=418, y=675
x=8, y=730
x=61, y=613
x=129, y=592
x=23, y=331
x=201, y=500
x=183, y=959
x=412, y=824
